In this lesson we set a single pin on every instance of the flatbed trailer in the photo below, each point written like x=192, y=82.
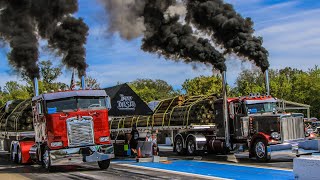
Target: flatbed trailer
x=254, y=127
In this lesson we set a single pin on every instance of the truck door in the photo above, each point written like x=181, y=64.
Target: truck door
x=2, y=127
x=238, y=115
x=39, y=121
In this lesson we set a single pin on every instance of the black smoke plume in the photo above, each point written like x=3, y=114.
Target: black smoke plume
x=69, y=38
x=229, y=29
x=24, y=22
x=18, y=29
x=168, y=37
x=164, y=33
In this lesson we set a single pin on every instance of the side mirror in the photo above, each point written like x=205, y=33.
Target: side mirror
x=108, y=102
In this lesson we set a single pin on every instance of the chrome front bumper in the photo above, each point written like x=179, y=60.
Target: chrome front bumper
x=293, y=148
x=81, y=155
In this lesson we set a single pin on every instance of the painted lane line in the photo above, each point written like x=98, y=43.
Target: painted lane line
x=218, y=170
x=253, y=166
x=173, y=172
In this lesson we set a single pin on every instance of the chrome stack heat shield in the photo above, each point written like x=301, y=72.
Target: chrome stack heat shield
x=225, y=109
x=36, y=86
x=83, y=83
x=266, y=75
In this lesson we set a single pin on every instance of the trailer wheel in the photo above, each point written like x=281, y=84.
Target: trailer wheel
x=260, y=150
x=46, y=160
x=104, y=164
x=191, y=146
x=178, y=145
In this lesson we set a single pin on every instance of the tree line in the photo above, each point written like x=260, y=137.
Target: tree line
x=48, y=81
x=287, y=83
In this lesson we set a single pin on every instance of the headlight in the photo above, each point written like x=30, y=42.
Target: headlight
x=104, y=139
x=56, y=144
x=275, y=135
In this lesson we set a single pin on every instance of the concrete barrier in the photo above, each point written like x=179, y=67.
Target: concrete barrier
x=307, y=168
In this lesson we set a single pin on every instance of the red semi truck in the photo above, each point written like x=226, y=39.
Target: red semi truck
x=70, y=127
x=255, y=125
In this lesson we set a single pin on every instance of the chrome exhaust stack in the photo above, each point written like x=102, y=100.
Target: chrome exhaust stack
x=225, y=110
x=83, y=83
x=36, y=86
x=266, y=75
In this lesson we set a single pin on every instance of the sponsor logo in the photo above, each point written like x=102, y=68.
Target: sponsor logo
x=126, y=103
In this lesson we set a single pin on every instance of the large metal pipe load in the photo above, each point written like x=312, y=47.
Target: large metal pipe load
x=266, y=75
x=225, y=109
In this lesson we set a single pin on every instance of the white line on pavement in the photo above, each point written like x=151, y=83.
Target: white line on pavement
x=173, y=172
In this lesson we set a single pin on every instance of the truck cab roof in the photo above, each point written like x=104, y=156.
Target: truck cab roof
x=67, y=94
x=253, y=99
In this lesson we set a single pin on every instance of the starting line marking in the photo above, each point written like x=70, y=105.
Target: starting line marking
x=213, y=170
x=173, y=172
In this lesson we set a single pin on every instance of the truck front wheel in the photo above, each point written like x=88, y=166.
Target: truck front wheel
x=19, y=156
x=104, y=164
x=260, y=150
x=46, y=161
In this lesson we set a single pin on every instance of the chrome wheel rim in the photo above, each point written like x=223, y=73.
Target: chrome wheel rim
x=191, y=147
x=179, y=145
x=12, y=156
x=260, y=149
x=46, y=159
x=19, y=156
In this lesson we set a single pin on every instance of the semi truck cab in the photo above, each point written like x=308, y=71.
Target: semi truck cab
x=72, y=126
x=255, y=119
x=69, y=127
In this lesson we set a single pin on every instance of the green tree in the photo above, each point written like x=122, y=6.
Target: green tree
x=149, y=89
x=249, y=82
x=14, y=90
x=91, y=83
x=48, y=76
x=288, y=83
x=203, y=85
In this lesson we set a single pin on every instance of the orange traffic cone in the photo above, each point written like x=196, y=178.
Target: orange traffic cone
x=139, y=153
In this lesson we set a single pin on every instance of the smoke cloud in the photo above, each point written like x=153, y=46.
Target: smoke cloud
x=229, y=29
x=125, y=17
x=168, y=37
x=24, y=22
x=159, y=23
x=18, y=29
x=69, y=37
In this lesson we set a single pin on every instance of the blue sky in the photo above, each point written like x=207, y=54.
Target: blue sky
x=290, y=29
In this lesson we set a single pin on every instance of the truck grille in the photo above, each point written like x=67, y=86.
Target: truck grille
x=80, y=132
x=292, y=128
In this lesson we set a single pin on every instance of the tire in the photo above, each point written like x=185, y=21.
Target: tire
x=18, y=158
x=178, y=146
x=260, y=150
x=104, y=164
x=191, y=147
x=45, y=159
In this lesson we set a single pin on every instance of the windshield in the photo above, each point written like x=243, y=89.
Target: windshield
x=92, y=102
x=261, y=108
x=74, y=103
